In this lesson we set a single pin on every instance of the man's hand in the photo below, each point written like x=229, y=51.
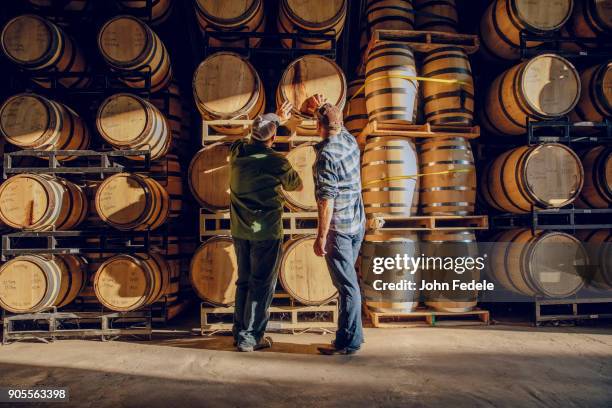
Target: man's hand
x=319, y=100
x=319, y=246
x=284, y=112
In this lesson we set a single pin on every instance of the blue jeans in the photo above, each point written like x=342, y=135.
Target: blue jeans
x=342, y=252
x=258, y=263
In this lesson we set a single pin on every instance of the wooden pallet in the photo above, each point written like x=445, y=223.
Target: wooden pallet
x=293, y=318
x=391, y=223
x=377, y=129
x=294, y=223
x=426, y=41
x=210, y=135
x=428, y=318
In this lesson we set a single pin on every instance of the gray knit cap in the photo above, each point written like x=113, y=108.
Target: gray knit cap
x=264, y=126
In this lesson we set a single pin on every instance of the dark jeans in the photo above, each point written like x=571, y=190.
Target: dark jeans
x=258, y=263
x=342, y=252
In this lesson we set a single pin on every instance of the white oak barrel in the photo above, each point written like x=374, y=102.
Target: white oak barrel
x=304, y=276
x=548, y=264
x=214, y=271
x=170, y=104
x=391, y=94
x=545, y=87
x=591, y=19
x=451, y=193
x=355, y=112
x=129, y=201
x=161, y=10
x=307, y=76
x=245, y=99
x=598, y=244
x=436, y=15
x=390, y=15
x=33, y=283
x=302, y=159
x=385, y=245
x=231, y=16
x=450, y=244
x=67, y=5
x=543, y=176
x=129, y=45
x=125, y=283
x=597, y=189
x=41, y=202
x=595, y=104
x=40, y=46
x=502, y=23
x=314, y=16
x=448, y=104
x=389, y=166
x=31, y=121
x=127, y=121
x=209, y=177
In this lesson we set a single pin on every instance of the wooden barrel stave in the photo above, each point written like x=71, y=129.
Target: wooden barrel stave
x=545, y=87
x=597, y=189
x=318, y=17
x=447, y=194
x=390, y=98
x=209, y=177
x=130, y=46
x=598, y=244
x=386, y=161
x=302, y=159
x=214, y=271
x=31, y=121
x=595, y=104
x=232, y=16
x=355, y=112
x=543, y=176
x=436, y=15
x=40, y=46
x=390, y=15
x=245, y=100
x=304, y=276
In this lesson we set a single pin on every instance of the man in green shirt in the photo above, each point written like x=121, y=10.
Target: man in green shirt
x=257, y=174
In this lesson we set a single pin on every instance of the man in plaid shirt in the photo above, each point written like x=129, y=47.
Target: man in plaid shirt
x=337, y=173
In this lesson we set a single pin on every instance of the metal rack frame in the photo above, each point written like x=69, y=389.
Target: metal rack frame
x=560, y=219
x=567, y=132
x=552, y=42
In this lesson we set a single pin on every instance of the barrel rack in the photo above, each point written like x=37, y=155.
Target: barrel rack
x=554, y=42
x=585, y=307
x=559, y=219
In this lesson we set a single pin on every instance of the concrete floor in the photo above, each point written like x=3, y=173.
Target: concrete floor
x=448, y=367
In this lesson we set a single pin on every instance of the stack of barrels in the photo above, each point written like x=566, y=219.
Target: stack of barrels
x=125, y=201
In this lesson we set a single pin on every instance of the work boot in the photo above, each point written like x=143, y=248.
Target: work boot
x=332, y=351
x=264, y=343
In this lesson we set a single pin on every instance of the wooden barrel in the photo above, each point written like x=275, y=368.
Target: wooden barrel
x=129, y=45
x=591, y=19
x=304, y=276
x=41, y=202
x=355, y=112
x=209, y=177
x=453, y=193
x=436, y=15
x=384, y=245
x=307, y=76
x=595, y=104
x=231, y=16
x=448, y=104
x=444, y=245
x=38, y=45
x=391, y=98
x=170, y=104
x=316, y=17
x=548, y=264
x=160, y=9
x=390, y=15
x=503, y=21
x=127, y=121
x=302, y=159
x=33, y=283
x=597, y=190
x=543, y=176
x=129, y=201
x=245, y=99
x=598, y=244
x=545, y=87
x=386, y=164
x=124, y=283
x=214, y=271
x=32, y=121
x=65, y=5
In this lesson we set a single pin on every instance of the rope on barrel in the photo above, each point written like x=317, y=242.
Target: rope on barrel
x=415, y=176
